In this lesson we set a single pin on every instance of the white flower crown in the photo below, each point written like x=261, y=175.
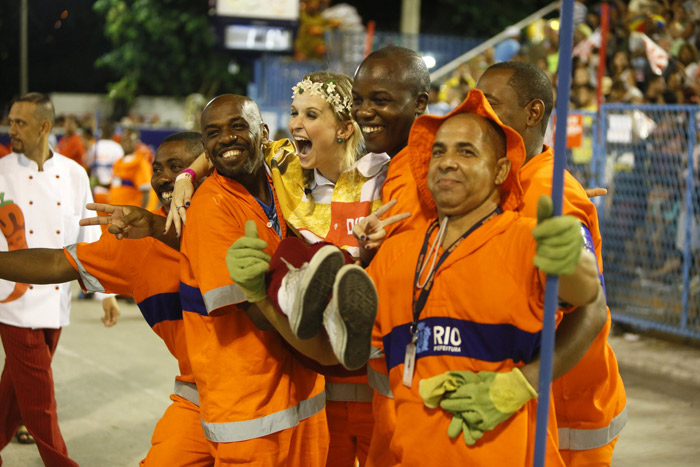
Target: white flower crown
x=326, y=90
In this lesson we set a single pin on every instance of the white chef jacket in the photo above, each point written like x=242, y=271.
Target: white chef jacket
x=52, y=202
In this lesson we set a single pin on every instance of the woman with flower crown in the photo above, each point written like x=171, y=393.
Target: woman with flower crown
x=325, y=183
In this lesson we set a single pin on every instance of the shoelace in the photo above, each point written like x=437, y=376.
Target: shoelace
x=432, y=253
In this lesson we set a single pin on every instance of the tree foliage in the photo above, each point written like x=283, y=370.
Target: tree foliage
x=163, y=47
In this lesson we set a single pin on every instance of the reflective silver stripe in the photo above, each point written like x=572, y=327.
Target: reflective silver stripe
x=578, y=440
x=223, y=296
x=89, y=281
x=379, y=382
x=187, y=391
x=375, y=353
x=349, y=392
x=263, y=426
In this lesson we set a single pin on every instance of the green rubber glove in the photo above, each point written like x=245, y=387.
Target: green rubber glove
x=247, y=263
x=433, y=389
x=559, y=240
x=491, y=401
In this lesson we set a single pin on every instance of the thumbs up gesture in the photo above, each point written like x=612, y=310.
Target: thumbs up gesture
x=247, y=263
x=559, y=240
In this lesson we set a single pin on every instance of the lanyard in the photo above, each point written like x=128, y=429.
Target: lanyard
x=427, y=286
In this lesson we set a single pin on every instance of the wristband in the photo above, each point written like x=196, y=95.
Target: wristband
x=189, y=173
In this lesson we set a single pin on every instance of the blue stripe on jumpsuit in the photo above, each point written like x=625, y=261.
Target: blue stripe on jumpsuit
x=456, y=337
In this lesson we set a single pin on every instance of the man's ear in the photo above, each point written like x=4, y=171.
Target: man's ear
x=502, y=170
x=421, y=103
x=264, y=133
x=45, y=128
x=535, y=113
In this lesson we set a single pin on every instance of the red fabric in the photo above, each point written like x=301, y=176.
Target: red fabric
x=350, y=425
x=26, y=391
x=296, y=252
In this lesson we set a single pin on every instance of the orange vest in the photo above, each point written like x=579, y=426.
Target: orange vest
x=492, y=325
x=131, y=178
x=250, y=385
x=590, y=398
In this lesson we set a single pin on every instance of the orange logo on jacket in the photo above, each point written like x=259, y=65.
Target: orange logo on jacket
x=12, y=226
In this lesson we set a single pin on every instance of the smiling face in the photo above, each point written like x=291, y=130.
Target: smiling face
x=467, y=164
x=384, y=105
x=171, y=158
x=231, y=133
x=25, y=127
x=315, y=131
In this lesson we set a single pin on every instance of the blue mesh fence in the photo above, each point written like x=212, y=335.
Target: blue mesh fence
x=648, y=161
x=275, y=75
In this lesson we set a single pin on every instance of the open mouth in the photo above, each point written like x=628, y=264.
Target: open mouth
x=167, y=195
x=371, y=129
x=303, y=145
x=230, y=153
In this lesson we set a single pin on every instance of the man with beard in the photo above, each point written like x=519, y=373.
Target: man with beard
x=42, y=196
x=148, y=270
x=258, y=404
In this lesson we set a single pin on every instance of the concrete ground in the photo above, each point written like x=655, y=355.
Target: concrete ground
x=112, y=386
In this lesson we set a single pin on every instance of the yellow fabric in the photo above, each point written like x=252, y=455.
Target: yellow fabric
x=321, y=219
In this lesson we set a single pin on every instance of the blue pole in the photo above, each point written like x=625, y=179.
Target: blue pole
x=689, y=216
x=566, y=20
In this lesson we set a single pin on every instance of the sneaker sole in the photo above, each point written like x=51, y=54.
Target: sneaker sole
x=357, y=307
x=315, y=292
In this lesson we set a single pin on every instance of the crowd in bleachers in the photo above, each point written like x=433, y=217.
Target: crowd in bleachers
x=651, y=54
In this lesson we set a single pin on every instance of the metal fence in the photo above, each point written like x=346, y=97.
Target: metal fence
x=274, y=76
x=647, y=157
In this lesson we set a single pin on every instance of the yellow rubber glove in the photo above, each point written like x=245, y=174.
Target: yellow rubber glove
x=493, y=400
x=432, y=389
x=247, y=263
x=559, y=240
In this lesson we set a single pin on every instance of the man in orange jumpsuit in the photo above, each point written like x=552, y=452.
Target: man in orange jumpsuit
x=491, y=327
x=390, y=90
x=148, y=270
x=130, y=174
x=259, y=405
x=590, y=398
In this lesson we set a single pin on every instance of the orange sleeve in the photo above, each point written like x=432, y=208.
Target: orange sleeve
x=209, y=232
x=108, y=262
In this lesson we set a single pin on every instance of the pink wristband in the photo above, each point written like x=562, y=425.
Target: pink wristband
x=192, y=174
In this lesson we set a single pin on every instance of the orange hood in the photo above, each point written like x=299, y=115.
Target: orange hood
x=422, y=138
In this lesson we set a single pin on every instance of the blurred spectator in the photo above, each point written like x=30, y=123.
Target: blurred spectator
x=506, y=49
x=4, y=150
x=71, y=144
x=435, y=105
x=101, y=158
x=131, y=175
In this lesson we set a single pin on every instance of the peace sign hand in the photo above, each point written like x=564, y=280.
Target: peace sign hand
x=370, y=232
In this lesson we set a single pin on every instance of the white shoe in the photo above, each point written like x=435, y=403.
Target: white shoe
x=311, y=286
x=350, y=315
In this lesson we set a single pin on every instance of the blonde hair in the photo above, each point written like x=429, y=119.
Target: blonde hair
x=354, y=145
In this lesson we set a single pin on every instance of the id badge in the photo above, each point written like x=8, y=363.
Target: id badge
x=409, y=364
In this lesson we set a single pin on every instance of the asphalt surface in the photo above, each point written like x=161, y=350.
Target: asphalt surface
x=112, y=386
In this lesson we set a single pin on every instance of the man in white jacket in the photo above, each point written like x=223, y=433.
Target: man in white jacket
x=42, y=198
